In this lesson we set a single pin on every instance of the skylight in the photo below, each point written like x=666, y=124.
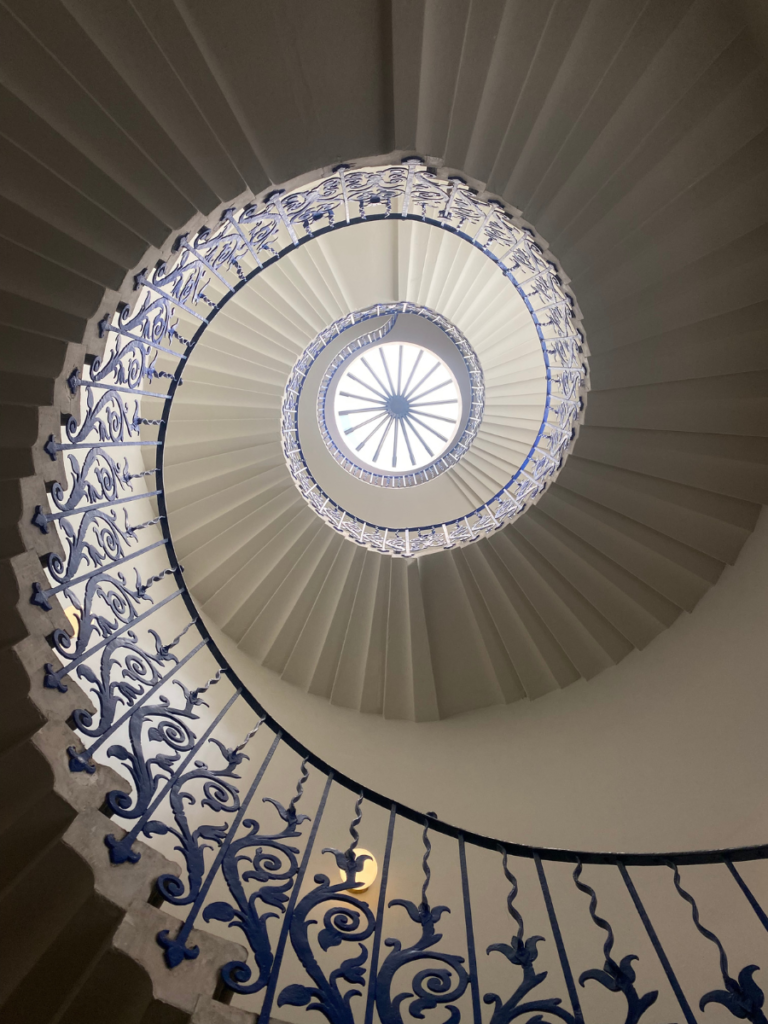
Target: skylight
x=397, y=406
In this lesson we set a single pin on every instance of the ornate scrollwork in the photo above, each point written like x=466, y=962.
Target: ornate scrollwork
x=99, y=538
x=431, y=986
x=99, y=478
x=107, y=417
x=522, y=952
x=220, y=794
x=146, y=325
x=349, y=920
x=616, y=977
x=126, y=672
x=276, y=864
x=118, y=608
x=743, y=998
x=173, y=730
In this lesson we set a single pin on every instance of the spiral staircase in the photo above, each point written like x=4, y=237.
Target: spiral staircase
x=632, y=135
x=600, y=566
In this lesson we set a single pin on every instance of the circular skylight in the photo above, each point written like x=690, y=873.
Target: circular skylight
x=397, y=406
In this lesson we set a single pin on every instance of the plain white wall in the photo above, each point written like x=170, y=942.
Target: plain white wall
x=665, y=751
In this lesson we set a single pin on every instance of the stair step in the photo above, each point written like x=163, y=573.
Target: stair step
x=60, y=888
x=249, y=566
x=35, y=999
x=303, y=662
x=357, y=649
x=282, y=646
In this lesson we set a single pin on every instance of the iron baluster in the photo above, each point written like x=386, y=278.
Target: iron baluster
x=142, y=280
x=106, y=547
x=52, y=447
x=122, y=850
x=182, y=243
x=176, y=949
x=41, y=519
x=275, y=200
x=139, y=668
x=473, y=979
x=151, y=321
x=229, y=215
x=521, y=952
x=173, y=728
x=761, y=914
x=614, y=977
x=371, y=996
x=742, y=997
x=432, y=985
x=152, y=330
x=75, y=381
x=341, y=169
x=663, y=959
x=341, y=923
x=269, y=993
x=40, y=595
x=82, y=761
x=53, y=677
x=98, y=480
x=278, y=864
x=119, y=609
x=565, y=965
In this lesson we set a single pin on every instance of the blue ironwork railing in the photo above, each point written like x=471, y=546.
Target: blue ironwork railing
x=167, y=706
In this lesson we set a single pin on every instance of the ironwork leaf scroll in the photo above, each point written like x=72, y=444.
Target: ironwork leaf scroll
x=742, y=997
x=349, y=919
x=433, y=985
x=615, y=977
x=274, y=865
x=171, y=727
x=522, y=952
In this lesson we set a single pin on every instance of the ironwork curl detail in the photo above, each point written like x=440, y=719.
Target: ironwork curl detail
x=172, y=728
x=433, y=985
x=615, y=977
x=275, y=868
x=349, y=920
x=742, y=997
x=521, y=952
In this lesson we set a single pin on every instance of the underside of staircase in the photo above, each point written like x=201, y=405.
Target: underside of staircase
x=632, y=134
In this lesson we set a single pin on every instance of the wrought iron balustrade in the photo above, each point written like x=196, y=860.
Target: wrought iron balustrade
x=198, y=752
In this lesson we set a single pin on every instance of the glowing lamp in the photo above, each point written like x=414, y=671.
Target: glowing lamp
x=366, y=876
x=73, y=618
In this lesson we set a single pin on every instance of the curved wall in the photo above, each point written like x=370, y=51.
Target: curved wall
x=660, y=752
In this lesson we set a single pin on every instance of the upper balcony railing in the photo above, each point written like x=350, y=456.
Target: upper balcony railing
x=197, y=750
